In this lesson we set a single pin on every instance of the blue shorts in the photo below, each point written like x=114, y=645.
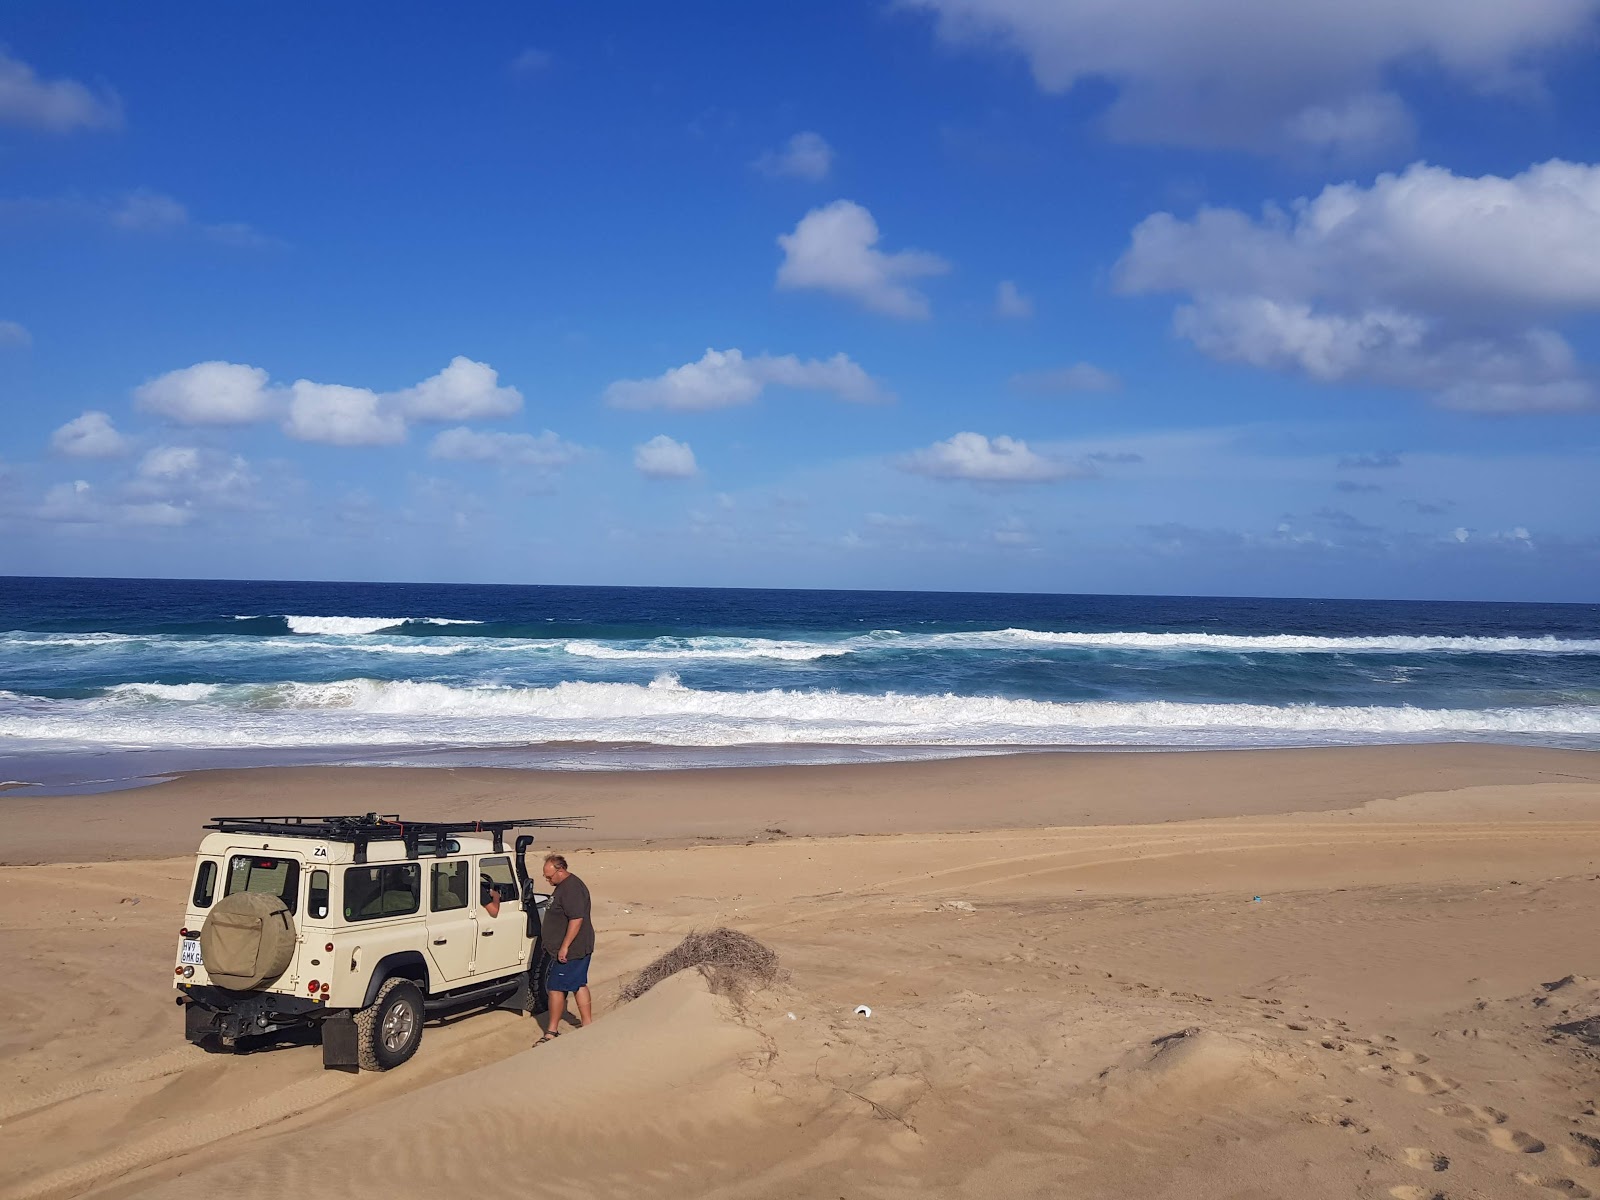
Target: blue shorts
x=567, y=976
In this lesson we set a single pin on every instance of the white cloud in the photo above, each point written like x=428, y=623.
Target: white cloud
x=13, y=335
x=1423, y=280
x=77, y=504
x=209, y=393
x=1080, y=377
x=663, y=458
x=833, y=249
x=337, y=415
x=464, y=391
x=507, y=449
x=725, y=378
x=1009, y=301
x=189, y=473
x=90, y=436
x=222, y=393
x=806, y=156
x=144, y=211
x=988, y=460
x=52, y=106
x=1265, y=75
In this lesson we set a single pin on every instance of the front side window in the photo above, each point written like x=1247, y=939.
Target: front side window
x=450, y=885
x=205, y=883
x=275, y=876
x=390, y=890
x=317, y=895
x=496, y=873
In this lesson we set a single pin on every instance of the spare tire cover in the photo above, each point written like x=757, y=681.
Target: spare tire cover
x=247, y=940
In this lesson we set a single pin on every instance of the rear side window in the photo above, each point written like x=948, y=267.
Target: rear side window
x=390, y=890
x=205, y=883
x=275, y=876
x=317, y=894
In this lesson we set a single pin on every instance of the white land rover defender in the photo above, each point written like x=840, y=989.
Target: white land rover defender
x=359, y=928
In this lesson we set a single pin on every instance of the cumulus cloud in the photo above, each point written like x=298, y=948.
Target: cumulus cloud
x=14, y=336
x=223, y=393
x=834, y=249
x=663, y=458
x=1424, y=280
x=725, y=378
x=54, y=105
x=981, y=459
x=1080, y=377
x=90, y=436
x=806, y=156
x=1262, y=75
x=463, y=391
x=543, y=450
x=1009, y=302
x=209, y=393
x=337, y=415
x=186, y=474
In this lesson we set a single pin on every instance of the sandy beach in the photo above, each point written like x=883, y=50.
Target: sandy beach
x=1242, y=974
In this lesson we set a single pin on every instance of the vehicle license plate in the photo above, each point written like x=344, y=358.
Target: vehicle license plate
x=189, y=952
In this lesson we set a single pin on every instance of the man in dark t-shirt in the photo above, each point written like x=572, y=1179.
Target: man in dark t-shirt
x=567, y=937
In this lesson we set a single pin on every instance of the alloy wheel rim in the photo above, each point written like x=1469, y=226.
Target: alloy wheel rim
x=398, y=1026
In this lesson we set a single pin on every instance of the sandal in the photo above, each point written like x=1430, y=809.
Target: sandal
x=550, y=1035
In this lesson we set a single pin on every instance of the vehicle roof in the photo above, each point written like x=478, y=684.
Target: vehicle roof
x=305, y=849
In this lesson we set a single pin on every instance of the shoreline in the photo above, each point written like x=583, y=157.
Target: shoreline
x=697, y=805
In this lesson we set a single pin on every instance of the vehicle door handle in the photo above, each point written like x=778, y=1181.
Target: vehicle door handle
x=440, y=941
x=488, y=933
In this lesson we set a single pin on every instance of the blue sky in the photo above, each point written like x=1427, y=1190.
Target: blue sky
x=1234, y=298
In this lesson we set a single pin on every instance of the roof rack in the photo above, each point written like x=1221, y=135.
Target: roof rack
x=432, y=836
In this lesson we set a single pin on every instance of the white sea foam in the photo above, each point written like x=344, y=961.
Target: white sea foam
x=179, y=692
x=1285, y=643
x=375, y=712
x=725, y=648
x=359, y=626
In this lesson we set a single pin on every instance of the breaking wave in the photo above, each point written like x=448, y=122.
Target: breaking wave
x=665, y=712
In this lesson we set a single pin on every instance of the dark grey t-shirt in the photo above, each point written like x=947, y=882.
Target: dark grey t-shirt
x=569, y=900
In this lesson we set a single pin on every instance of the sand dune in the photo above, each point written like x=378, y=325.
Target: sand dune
x=1101, y=1011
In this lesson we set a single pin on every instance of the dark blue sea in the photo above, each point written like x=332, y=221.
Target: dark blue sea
x=104, y=678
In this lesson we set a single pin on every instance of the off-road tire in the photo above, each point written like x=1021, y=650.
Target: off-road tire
x=386, y=1034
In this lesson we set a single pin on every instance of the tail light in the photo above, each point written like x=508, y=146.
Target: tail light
x=324, y=989
x=312, y=987
x=329, y=948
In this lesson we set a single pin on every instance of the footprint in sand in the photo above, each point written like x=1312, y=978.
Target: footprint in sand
x=1418, y=1082
x=1424, y=1160
x=1555, y=1183
x=1480, y=1113
x=1585, y=1152
x=1512, y=1141
x=1407, y=1191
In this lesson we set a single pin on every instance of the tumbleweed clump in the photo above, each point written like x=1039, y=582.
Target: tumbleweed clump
x=734, y=963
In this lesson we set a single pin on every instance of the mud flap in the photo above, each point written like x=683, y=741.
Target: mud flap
x=198, y=1023
x=341, y=1047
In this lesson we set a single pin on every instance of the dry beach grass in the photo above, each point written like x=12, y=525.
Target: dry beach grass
x=1095, y=1005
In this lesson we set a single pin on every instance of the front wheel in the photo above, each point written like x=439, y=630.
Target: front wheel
x=389, y=1030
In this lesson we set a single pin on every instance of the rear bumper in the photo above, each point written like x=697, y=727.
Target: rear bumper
x=217, y=1012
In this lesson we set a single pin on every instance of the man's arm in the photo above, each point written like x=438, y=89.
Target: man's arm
x=575, y=924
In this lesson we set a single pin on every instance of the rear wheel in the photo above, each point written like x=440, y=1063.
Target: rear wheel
x=389, y=1030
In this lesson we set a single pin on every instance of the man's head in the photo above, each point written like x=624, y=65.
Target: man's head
x=555, y=869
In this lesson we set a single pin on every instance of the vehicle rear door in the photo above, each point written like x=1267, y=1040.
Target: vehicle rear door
x=452, y=919
x=502, y=938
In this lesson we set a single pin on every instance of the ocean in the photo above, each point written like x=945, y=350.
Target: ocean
x=106, y=680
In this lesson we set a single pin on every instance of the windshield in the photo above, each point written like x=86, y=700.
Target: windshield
x=275, y=876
